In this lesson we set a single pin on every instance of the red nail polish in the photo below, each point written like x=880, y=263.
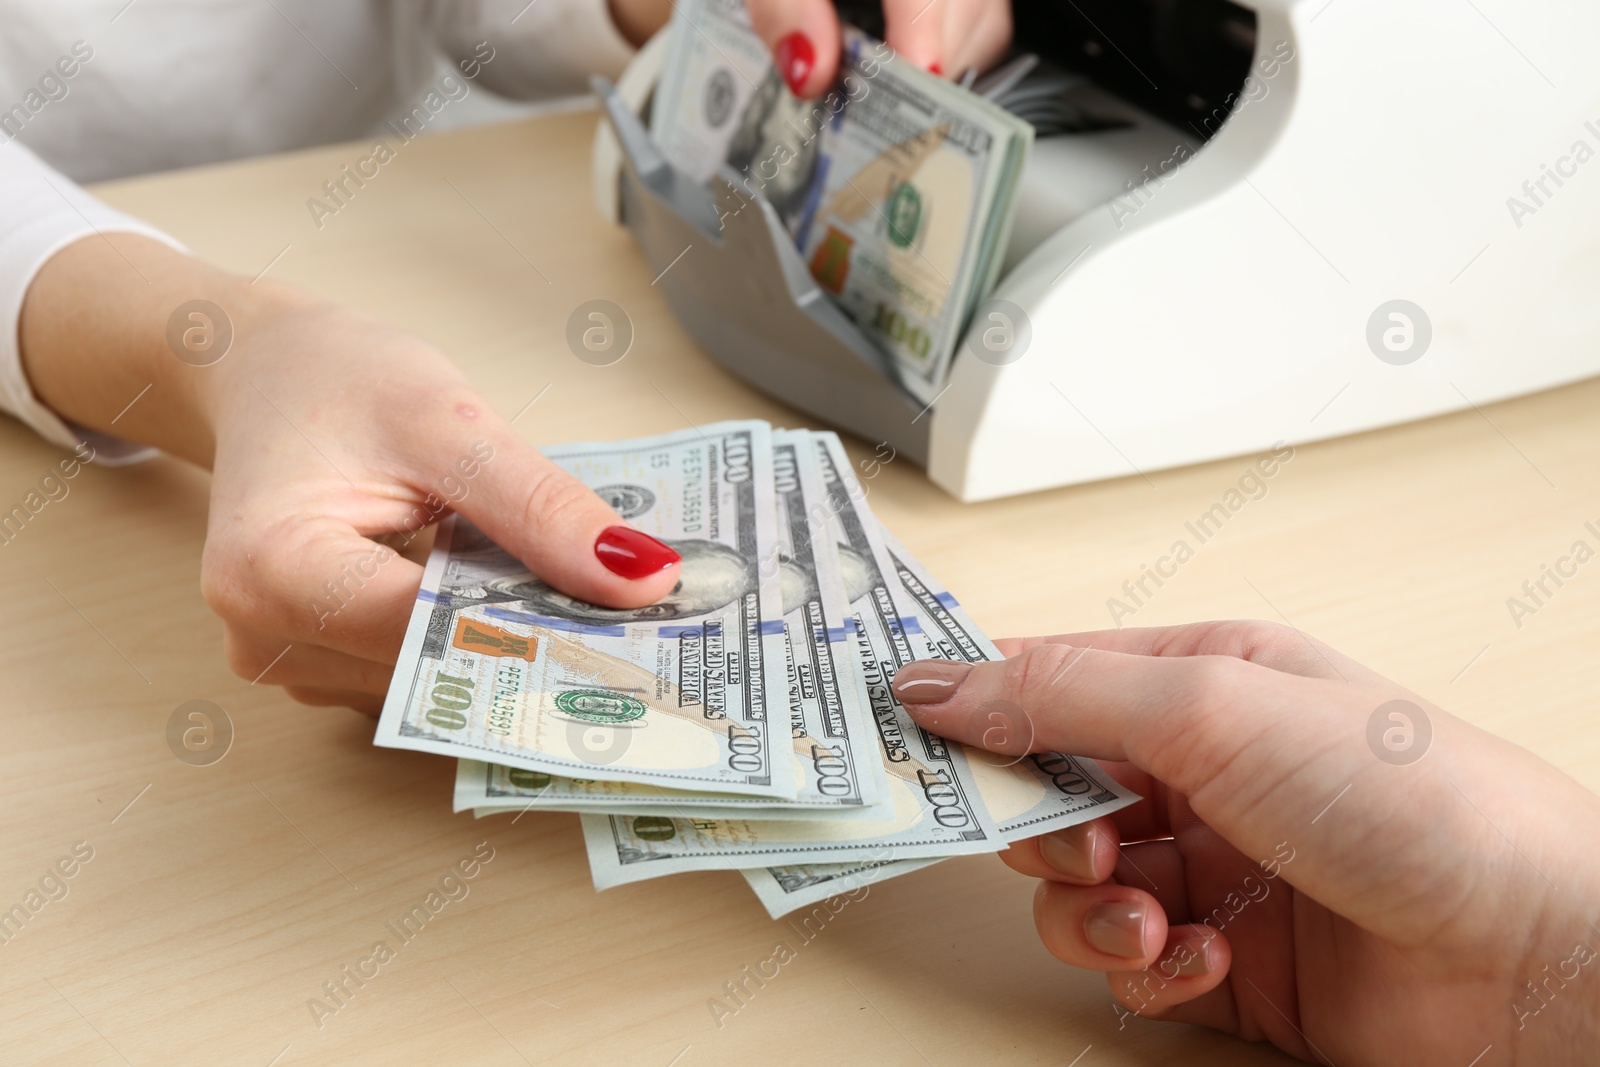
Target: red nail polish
x=936, y=70
x=632, y=554
x=796, y=59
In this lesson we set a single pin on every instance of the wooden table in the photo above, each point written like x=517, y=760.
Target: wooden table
x=219, y=899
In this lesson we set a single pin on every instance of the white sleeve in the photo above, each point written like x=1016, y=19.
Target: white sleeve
x=540, y=48
x=42, y=212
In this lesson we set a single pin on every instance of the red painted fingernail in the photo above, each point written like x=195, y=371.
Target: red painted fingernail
x=796, y=59
x=936, y=70
x=632, y=554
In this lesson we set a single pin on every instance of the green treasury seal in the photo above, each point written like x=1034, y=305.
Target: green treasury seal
x=600, y=705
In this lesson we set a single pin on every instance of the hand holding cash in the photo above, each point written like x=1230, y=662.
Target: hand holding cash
x=951, y=38
x=746, y=721
x=799, y=707
x=896, y=186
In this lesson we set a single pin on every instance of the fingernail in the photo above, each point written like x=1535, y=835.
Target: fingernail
x=1116, y=928
x=936, y=70
x=1189, y=958
x=632, y=553
x=796, y=58
x=930, y=681
x=1071, y=851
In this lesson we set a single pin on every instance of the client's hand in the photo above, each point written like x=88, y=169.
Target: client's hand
x=1296, y=872
x=944, y=36
x=334, y=440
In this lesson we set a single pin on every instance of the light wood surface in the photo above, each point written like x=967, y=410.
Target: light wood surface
x=219, y=899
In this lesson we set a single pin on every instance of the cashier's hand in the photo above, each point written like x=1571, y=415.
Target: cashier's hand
x=1323, y=860
x=944, y=36
x=334, y=439
x=338, y=437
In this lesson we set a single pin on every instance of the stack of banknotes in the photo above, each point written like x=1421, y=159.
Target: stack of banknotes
x=746, y=721
x=897, y=187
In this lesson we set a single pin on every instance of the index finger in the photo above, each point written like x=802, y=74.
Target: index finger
x=1213, y=728
x=915, y=30
x=559, y=528
x=804, y=38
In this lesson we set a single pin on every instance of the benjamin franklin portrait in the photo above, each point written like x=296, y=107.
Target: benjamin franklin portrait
x=795, y=584
x=857, y=573
x=775, y=146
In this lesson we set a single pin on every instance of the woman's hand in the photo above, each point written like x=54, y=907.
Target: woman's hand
x=943, y=36
x=1307, y=867
x=335, y=441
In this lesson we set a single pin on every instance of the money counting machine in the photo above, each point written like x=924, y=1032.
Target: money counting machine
x=1278, y=220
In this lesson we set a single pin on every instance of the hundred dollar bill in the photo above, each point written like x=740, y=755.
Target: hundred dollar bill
x=937, y=809
x=1066, y=791
x=684, y=693
x=714, y=69
x=897, y=187
x=785, y=889
x=837, y=763
x=912, y=209
x=490, y=789
x=1027, y=795
x=835, y=736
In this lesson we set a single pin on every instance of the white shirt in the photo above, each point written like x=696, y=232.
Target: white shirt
x=95, y=89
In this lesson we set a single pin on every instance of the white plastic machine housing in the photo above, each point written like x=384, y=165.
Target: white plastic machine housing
x=1428, y=151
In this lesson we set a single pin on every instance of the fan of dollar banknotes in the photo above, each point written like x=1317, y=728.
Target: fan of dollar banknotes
x=746, y=721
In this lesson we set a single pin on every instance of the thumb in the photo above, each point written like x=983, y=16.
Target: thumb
x=558, y=527
x=804, y=38
x=1212, y=728
x=916, y=32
